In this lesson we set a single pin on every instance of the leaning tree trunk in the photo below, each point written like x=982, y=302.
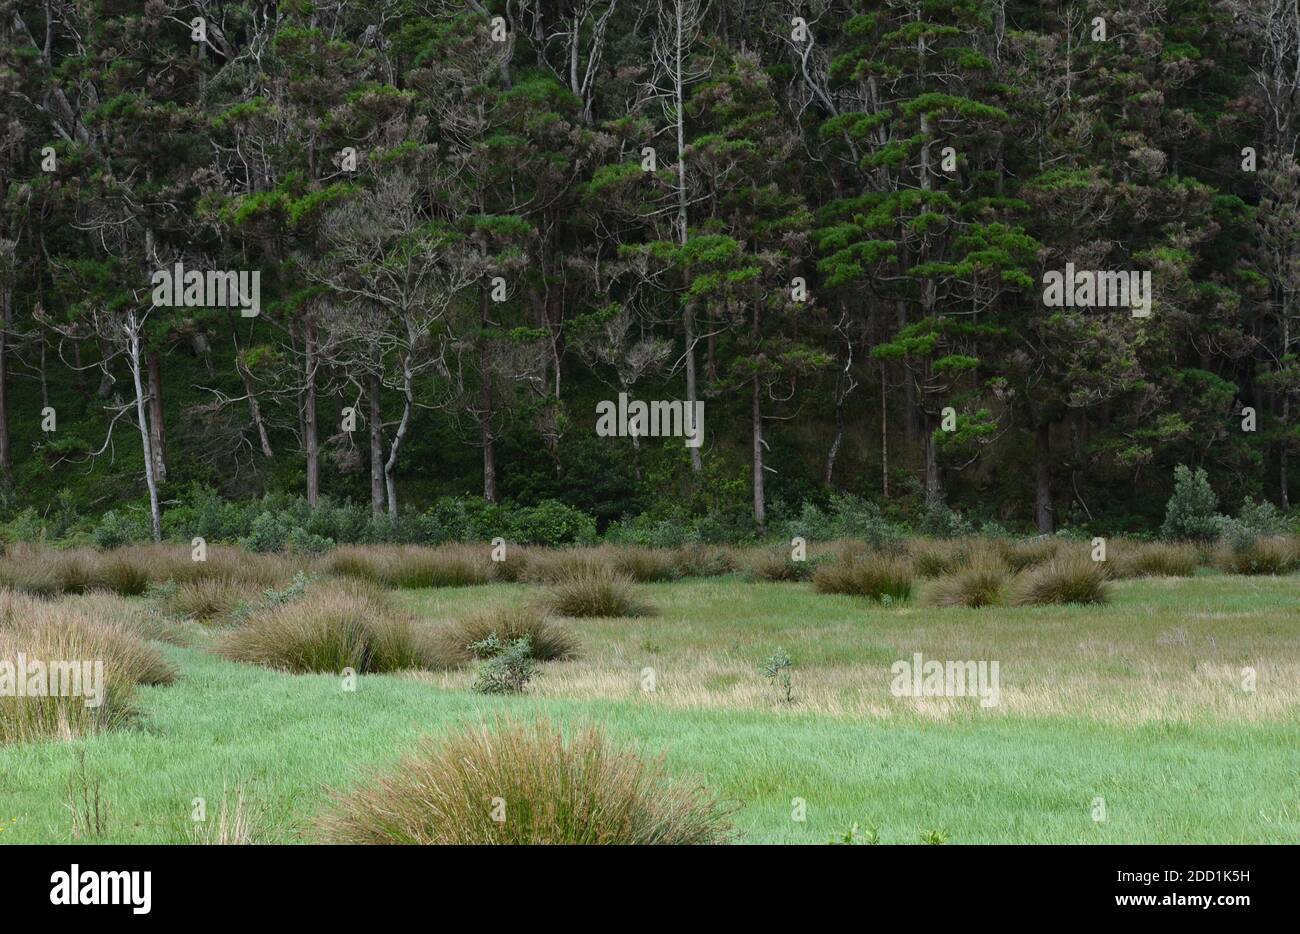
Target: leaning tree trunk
x=8, y=270
x=133, y=347
x=390, y=466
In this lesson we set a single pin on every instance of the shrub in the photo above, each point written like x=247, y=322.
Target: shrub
x=1262, y=518
x=551, y=523
x=116, y=529
x=1064, y=579
x=548, y=639
x=507, y=666
x=334, y=625
x=982, y=583
x=599, y=592
x=943, y=522
x=555, y=791
x=1192, y=510
x=865, y=575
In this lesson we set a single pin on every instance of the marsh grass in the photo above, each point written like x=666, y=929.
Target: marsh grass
x=545, y=788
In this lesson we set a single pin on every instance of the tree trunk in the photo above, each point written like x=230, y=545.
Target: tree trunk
x=376, y=447
x=1043, y=478
x=310, y=434
x=760, y=504
x=884, y=432
x=487, y=438
x=133, y=339
x=157, y=434
x=390, y=466
x=254, y=408
x=933, y=478
x=8, y=270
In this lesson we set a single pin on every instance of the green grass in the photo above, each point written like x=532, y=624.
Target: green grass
x=1202, y=769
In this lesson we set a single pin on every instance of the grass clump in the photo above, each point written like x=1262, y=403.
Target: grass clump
x=599, y=592
x=1154, y=559
x=1249, y=554
x=778, y=567
x=549, y=640
x=410, y=566
x=1065, y=579
x=206, y=600
x=526, y=785
x=982, y=583
x=1021, y=555
x=646, y=565
x=866, y=575
x=332, y=626
x=51, y=633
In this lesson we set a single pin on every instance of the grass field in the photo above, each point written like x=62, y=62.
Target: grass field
x=1139, y=702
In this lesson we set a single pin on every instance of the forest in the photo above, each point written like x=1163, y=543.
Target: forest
x=395, y=256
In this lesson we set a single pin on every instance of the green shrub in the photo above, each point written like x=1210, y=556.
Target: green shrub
x=550, y=523
x=548, y=639
x=554, y=790
x=1192, y=510
x=116, y=529
x=506, y=666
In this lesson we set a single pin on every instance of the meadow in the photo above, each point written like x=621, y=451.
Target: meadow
x=1168, y=706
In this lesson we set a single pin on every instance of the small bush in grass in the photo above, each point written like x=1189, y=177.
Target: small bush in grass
x=1064, y=579
x=334, y=625
x=549, y=640
x=866, y=575
x=1154, y=559
x=580, y=790
x=599, y=592
x=206, y=599
x=982, y=583
x=507, y=666
x=1192, y=511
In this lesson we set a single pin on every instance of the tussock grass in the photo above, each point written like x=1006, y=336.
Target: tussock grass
x=1022, y=555
x=580, y=790
x=549, y=639
x=238, y=821
x=49, y=633
x=1065, y=579
x=144, y=620
x=699, y=560
x=646, y=565
x=865, y=575
x=553, y=566
x=412, y=566
x=332, y=626
x=129, y=571
x=1272, y=554
x=208, y=599
x=982, y=583
x=765, y=564
x=598, y=592
x=1152, y=559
